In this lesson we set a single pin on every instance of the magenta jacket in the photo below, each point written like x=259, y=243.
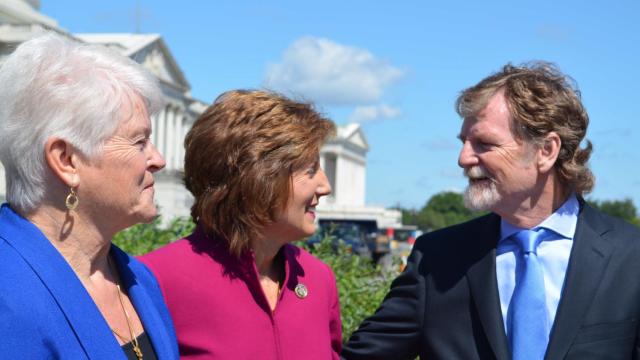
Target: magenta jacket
x=220, y=311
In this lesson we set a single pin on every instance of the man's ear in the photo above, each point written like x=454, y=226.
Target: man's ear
x=62, y=159
x=548, y=152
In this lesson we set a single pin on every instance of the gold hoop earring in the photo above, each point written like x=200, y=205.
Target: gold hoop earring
x=72, y=200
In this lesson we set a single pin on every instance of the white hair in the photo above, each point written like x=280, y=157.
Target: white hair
x=54, y=86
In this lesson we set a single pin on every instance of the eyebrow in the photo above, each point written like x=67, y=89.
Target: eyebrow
x=146, y=130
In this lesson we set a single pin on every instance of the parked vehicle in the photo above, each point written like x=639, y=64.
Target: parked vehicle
x=367, y=240
x=401, y=240
x=359, y=235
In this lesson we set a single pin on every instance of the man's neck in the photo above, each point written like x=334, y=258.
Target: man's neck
x=537, y=207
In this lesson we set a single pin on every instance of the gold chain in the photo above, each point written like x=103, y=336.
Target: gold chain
x=134, y=340
x=122, y=337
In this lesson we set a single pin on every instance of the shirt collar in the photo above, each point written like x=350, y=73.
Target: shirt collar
x=563, y=221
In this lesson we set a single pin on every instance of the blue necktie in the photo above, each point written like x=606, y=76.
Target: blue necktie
x=529, y=325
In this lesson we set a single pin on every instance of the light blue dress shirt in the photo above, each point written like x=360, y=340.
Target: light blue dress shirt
x=553, y=254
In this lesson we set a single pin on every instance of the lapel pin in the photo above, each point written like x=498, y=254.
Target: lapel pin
x=301, y=291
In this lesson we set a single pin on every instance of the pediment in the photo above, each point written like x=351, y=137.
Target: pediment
x=146, y=49
x=156, y=58
x=358, y=139
x=353, y=134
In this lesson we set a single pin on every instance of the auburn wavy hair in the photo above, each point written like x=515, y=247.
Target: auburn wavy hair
x=239, y=158
x=541, y=99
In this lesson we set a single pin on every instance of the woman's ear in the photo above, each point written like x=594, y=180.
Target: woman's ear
x=549, y=151
x=62, y=159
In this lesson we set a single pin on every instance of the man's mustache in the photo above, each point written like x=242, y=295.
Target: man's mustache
x=476, y=172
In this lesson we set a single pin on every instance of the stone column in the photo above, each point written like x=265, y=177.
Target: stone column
x=154, y=128
x=185, y=129
x=340, y=180
x=331, y=170
x=178, y=140
x=170, y=137
x=162, y=118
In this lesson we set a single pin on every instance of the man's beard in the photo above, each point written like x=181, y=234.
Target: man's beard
x=480, y=195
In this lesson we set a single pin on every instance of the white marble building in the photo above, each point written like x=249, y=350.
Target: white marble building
x=343, y=158
x=344, y=161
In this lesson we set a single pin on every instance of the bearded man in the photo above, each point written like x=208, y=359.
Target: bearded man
x=544, y=275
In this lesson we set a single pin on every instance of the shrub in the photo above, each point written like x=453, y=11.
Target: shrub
x=143, y=238
x=361, y=284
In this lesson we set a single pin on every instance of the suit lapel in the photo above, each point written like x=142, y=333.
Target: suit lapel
x=82, y=315
x=483, y=285
x=589, y=258
x=146, y=309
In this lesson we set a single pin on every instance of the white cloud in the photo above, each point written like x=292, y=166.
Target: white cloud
x=374, y=112
x=331, y=73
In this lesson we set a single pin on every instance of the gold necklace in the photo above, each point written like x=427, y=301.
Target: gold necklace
x=134, y=341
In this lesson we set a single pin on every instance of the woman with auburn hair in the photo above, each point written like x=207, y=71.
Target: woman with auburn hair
x=74, y=141
x=237, y=288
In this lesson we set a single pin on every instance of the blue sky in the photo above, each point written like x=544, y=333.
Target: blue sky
x=397, y=67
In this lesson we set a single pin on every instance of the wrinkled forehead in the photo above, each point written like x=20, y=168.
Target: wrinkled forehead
x=494, y=116
x=475, y=127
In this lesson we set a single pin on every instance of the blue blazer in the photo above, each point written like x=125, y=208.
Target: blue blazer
x=45, y=311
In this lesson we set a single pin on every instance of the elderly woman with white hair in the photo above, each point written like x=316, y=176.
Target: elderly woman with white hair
x=74, y=141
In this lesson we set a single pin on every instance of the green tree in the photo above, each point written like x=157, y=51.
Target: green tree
x=410, y=217
x=443, y=209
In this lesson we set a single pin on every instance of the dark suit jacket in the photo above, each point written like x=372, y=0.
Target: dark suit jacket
x=445, y=305
x=45, y=311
